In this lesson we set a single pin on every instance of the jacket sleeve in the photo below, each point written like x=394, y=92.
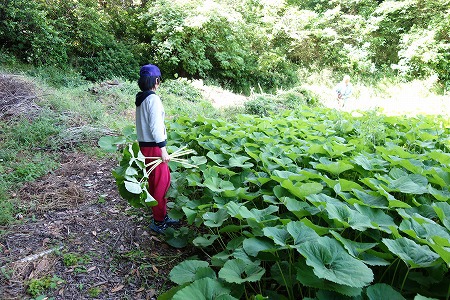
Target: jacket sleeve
x=156, y=121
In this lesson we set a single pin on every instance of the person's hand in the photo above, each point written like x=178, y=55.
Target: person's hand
x=164, y=155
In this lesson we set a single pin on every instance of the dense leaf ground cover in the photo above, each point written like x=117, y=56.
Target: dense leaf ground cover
x=312, y=204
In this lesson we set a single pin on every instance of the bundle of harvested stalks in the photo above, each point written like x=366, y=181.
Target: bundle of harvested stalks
x=156, y=161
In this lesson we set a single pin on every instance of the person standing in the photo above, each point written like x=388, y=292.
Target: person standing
x=343, y=90
x=152, y=138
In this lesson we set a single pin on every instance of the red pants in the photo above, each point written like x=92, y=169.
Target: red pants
x=158, y=183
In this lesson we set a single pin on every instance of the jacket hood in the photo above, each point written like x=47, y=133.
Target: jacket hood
x=140, y=97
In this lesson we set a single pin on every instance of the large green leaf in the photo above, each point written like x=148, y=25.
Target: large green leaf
x=438, y=176
x=217, y=158
x=301, y=233
x=414, y=255
x=110, y=143
x=441, y=195
x=278, y=234
x=410, y=184
x=217, y=184
x=334, y=168
x=372, y=199
x=186, y=271
x=442, y=209
x=377, y=217
x=337, y=149
x=240, y=161
x=215, y=219
x=259, y=214
x=302, y=190
x=205, y=240
x=330, y=261
x=348, y=217
x=353, y=248
x=204, y=289
x=424, y=229
x=252, y=246
x=383, y=291
x=240, y=271
x=307, y=277
x=442, y=157
x=299, y=208
x=370, y=162
x=133, y=187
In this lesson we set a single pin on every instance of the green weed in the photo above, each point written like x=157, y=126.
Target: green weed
x=94, y=292
x=38, y=286
x=73, y=259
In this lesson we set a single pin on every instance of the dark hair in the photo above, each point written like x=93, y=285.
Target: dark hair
x=147, y=83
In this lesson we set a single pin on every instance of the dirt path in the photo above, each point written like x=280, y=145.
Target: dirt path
x=81, y=231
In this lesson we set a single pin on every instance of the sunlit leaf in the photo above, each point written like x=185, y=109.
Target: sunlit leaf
x=370, y=162
x=442, y=209
x=410, y=184
x=416, y=256
x=334, y=168
x=302, y=190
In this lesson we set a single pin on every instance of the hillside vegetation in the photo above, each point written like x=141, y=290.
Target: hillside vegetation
x=242, y=45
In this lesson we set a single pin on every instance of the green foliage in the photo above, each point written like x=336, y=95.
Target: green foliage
x=240, y=45
x=7, y=210
x=265, y=104
x=30, y=34
x=297, y=204
x=57, y=76
x=73, y=259
x=114, y=60
x=37, y=133
x=94, y=292
x=210, y=40
x=181, y=88
x=38, y=286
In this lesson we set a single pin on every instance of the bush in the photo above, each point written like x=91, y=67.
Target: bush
x=111, y=62
x=263, y=105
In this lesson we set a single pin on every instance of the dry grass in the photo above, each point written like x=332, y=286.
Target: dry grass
x=17, y=97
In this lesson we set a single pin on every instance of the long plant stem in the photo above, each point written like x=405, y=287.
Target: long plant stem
x=156, y=161
x=387, y=269
x=395, y=273
x=404, y=280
